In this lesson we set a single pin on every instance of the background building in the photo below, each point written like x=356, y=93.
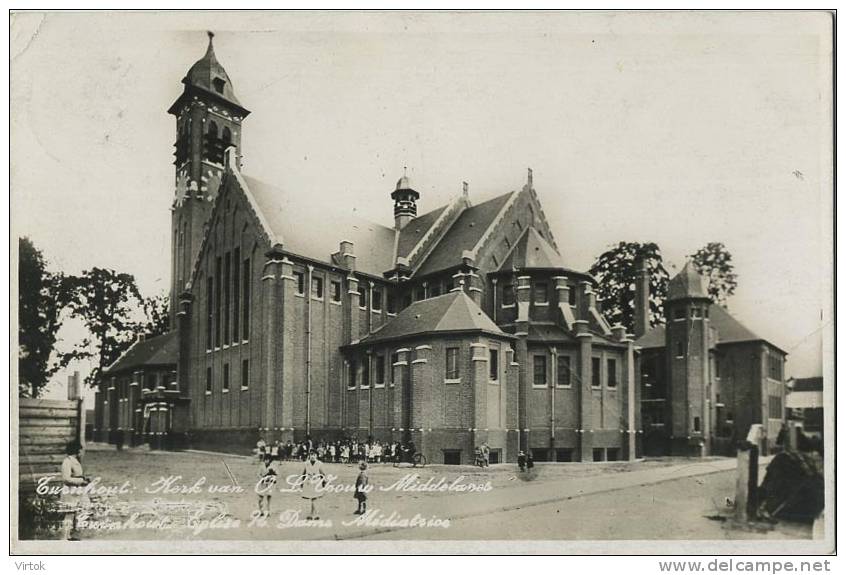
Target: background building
x=706, y=378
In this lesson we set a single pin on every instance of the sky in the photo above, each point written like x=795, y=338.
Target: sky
x=676, y=128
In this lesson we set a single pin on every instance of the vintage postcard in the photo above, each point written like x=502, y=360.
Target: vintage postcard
x=422, y=282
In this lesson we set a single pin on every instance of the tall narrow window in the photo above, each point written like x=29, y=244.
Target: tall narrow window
x=571, y=296
x=336, y=291
x=507, y=294
x=493, y=365
x=227, y=135
x=209, y=312
x=697, y=425
x=316, y=287
x=300, y=277
x=380, y=370
x=391, y=302
x=217, y=307
x=539, y=371
x=236, y=295
x=246, y=286
x=225, y=377
x=596, y=372
x=362, y=296
x=351, y=380
x=612, y=372
x=208, y=380
x=680, y=348
x=376, y=305
x=452, y=371
x=245, y=374
x=541, y=294
x=365, y=373
x=563, y=374
x=227, y=281
x=395, y=369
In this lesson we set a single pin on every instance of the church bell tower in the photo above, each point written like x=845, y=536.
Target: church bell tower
x=208, y=121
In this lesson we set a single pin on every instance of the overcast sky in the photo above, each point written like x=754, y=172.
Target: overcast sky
x=675, y=128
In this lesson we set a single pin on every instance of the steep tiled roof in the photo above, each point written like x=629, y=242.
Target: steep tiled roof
x=655, y=337
x=532, y=251
x=451, y=312
x=687, y=284
x=807, y=384
x=159, y=350
x=464, y=234
x=729, y=330
x=307, y=228
x=414, y=231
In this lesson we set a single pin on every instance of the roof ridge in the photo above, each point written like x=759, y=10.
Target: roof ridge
x=498, y=218
x=514, y=246
x=447, y=210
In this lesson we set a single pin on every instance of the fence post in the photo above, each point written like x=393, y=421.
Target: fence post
x=746, y=487
x=80, y=421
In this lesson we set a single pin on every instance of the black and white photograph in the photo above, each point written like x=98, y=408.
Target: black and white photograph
x=422, y=282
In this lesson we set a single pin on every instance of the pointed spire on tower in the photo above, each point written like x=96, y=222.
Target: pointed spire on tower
x=210, y=49
x=528, y=184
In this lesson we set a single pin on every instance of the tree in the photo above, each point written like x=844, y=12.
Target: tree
x=107, y=302
x=714, y=263
x=40, y=303
x=156, y=309
x=615, y=271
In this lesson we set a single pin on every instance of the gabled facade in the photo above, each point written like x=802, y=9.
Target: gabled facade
x=449, y=328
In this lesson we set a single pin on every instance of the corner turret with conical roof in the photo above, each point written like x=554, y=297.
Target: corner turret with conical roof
x=688, y=335
x=687, y=284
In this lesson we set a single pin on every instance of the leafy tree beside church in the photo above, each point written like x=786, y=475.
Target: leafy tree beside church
x=616, y=272
x=39, y=318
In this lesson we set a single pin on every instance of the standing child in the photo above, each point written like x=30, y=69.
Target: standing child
x=361, y=489
x=312, y=479
x=266, y=482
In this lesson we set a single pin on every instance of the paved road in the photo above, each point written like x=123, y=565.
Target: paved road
x=678, y=509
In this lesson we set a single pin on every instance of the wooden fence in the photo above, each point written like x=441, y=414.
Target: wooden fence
x=45, y=426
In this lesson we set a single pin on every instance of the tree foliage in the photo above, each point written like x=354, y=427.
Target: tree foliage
x=714, y=263
x=156, y=309
x=107, y=302
x=616, y=272
x=40, y=303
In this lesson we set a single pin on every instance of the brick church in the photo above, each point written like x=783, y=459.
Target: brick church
x=449, y=328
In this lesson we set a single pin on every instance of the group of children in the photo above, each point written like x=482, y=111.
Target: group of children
x=349, y=450
x=312, y=479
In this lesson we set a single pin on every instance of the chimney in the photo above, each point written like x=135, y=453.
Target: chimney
x=641, y=303
x=73, y=386
x=346, y=254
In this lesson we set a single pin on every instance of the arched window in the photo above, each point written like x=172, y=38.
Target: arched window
x=212, y=130
x=227, y=135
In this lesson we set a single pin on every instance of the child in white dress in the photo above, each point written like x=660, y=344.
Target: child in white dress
x=312, y=479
